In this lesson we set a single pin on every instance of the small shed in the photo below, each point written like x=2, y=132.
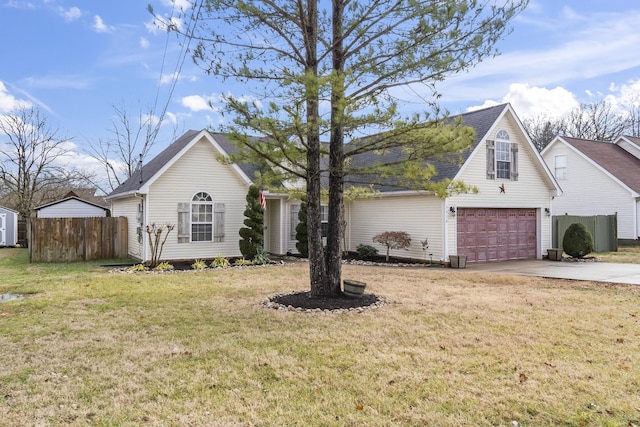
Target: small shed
x=8, y=227
x=71, y=206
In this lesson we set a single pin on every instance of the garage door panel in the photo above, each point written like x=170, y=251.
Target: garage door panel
x=492, y=234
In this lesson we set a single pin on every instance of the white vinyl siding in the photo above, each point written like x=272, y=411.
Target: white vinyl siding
x=71, y=208
x=419, y=215
x=530, y=190
x=590, y=191
x=199, y=171
x=129, y=207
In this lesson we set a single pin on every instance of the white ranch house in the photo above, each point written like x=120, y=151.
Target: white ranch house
x=506, y=219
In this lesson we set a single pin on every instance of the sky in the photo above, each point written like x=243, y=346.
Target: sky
x=75, y=60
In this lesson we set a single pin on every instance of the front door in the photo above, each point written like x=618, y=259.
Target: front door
x=272, y=230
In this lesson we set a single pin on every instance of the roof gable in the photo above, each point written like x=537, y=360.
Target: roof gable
x=630, y=144
x=483, y=121
x=145, y=176
x=480, y=120
x=4, y=208
x=611, y=158
x=70, y=198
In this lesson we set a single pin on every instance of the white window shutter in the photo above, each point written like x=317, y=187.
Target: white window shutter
x=218, y=222
x=184, y=232
x=514, y=162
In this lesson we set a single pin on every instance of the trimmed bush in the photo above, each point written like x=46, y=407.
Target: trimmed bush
x=366, y=251
x=577, y=241
x=253, y=233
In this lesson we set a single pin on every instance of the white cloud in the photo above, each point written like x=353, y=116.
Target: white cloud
x=169, y=78
x=182, y=5
x=144, y=43
x=54, y=82
x=628, y=93
x=198, y=103
x=159, y=23
x=71, y=14
x=592, y=46
x=99, y=26
x=530, y=102
x=9, y=102
x=169, y=118
x=16, y=4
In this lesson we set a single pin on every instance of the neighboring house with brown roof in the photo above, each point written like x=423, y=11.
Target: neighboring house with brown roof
x=598, y=178
x=187, y=186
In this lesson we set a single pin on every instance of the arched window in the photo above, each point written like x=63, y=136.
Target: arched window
x=202, y=218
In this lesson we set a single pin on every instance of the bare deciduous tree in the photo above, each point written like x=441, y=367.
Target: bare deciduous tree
x=393, y=240
x=31, y=168
x=129, y=144
x=598, y=121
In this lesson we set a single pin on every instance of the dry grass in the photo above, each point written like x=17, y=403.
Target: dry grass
x=625, y=254
x=85, y=346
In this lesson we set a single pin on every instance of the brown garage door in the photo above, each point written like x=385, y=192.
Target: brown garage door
x=496, y=234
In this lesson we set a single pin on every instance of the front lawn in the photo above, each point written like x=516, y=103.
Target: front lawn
x=85, y=346
x=625, y=254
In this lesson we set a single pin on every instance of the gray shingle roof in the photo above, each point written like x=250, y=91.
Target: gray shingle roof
x=480, y=120
x=612, y=158
x=149, y=170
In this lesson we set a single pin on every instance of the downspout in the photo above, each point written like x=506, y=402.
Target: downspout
x=636, y=214
x=445, y=228
x=140, y=226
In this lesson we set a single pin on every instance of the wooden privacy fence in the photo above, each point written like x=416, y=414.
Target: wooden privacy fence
x=78, y=239
x=603, y=228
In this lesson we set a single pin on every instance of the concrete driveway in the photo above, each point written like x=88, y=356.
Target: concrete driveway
x=591, y=271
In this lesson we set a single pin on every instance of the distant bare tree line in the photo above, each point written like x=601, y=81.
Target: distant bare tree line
x=599, y=121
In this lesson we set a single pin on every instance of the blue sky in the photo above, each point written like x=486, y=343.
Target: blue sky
x=75, y=59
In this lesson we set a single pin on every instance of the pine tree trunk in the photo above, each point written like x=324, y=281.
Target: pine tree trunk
x=317, y=270
x=336, y=160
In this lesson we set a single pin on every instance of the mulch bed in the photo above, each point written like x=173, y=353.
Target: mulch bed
x=304, y=300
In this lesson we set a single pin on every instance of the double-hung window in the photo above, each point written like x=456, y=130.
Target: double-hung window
x=502, y=158
x=202, y=218
x=561, y=166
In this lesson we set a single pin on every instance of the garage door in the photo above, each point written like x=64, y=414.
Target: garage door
x=496, y=234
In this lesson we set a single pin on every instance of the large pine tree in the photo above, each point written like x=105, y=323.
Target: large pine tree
x=336, y=69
